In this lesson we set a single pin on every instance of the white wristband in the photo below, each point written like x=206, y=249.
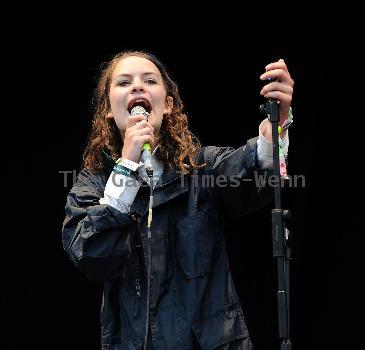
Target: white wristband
x=128, y=164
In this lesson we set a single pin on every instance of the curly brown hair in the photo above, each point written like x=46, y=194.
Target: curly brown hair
x=177, y=144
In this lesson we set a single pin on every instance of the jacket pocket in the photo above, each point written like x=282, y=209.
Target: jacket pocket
x=196, y=238
x=226, y=329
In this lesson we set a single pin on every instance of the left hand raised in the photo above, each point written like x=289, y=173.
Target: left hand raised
x=281, y=89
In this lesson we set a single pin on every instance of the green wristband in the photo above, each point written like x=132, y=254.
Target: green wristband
x=120, y=169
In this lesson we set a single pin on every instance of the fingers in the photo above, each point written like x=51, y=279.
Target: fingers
x=139, y=140
x=277, y=71
x=279, y=74
x=281, y=97
x=277, y=65
x=276, y=86
x=135, y=133
x=143, y=131
x=135, y=119
x=281, y=88
x=138, y=122
x=138, y=132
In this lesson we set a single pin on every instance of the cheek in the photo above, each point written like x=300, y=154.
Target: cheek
x=119, y=114
x=114, y=99
x=121, y=123
x=121, y=120
x=161, y=106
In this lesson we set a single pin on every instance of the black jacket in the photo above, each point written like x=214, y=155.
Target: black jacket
x=193, y=298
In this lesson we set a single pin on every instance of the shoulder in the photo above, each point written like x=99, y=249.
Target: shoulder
x=91, y=181
x=212, y=156
x=207, y=153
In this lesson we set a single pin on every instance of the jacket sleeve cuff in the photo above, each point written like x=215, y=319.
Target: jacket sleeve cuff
x=115, y=203
x=120, y=192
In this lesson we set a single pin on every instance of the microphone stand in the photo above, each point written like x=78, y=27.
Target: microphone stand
x=280, y=234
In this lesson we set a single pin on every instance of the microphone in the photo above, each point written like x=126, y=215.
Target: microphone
x=146, y=156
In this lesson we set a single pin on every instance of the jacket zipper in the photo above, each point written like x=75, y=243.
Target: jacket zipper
x=137, y=300
x=138, y=290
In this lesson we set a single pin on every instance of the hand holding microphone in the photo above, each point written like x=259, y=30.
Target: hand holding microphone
x=146, y=148
x=139, y=136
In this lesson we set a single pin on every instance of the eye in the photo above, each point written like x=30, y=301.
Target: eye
x=151, y=81
x=123, y=83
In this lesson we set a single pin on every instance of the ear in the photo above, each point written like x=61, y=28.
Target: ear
x=169, y=105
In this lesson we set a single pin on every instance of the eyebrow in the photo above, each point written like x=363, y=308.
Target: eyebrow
x=130, y=75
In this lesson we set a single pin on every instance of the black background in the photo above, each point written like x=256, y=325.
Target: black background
x=50, y=58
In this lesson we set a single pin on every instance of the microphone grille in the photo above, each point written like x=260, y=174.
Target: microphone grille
x=139, y=110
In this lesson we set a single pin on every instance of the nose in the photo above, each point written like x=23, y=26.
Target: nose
x=137, y=85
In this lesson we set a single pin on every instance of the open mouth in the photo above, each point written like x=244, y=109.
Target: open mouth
x=140, y=102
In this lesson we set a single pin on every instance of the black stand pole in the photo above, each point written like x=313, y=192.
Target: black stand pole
x=280, y=234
